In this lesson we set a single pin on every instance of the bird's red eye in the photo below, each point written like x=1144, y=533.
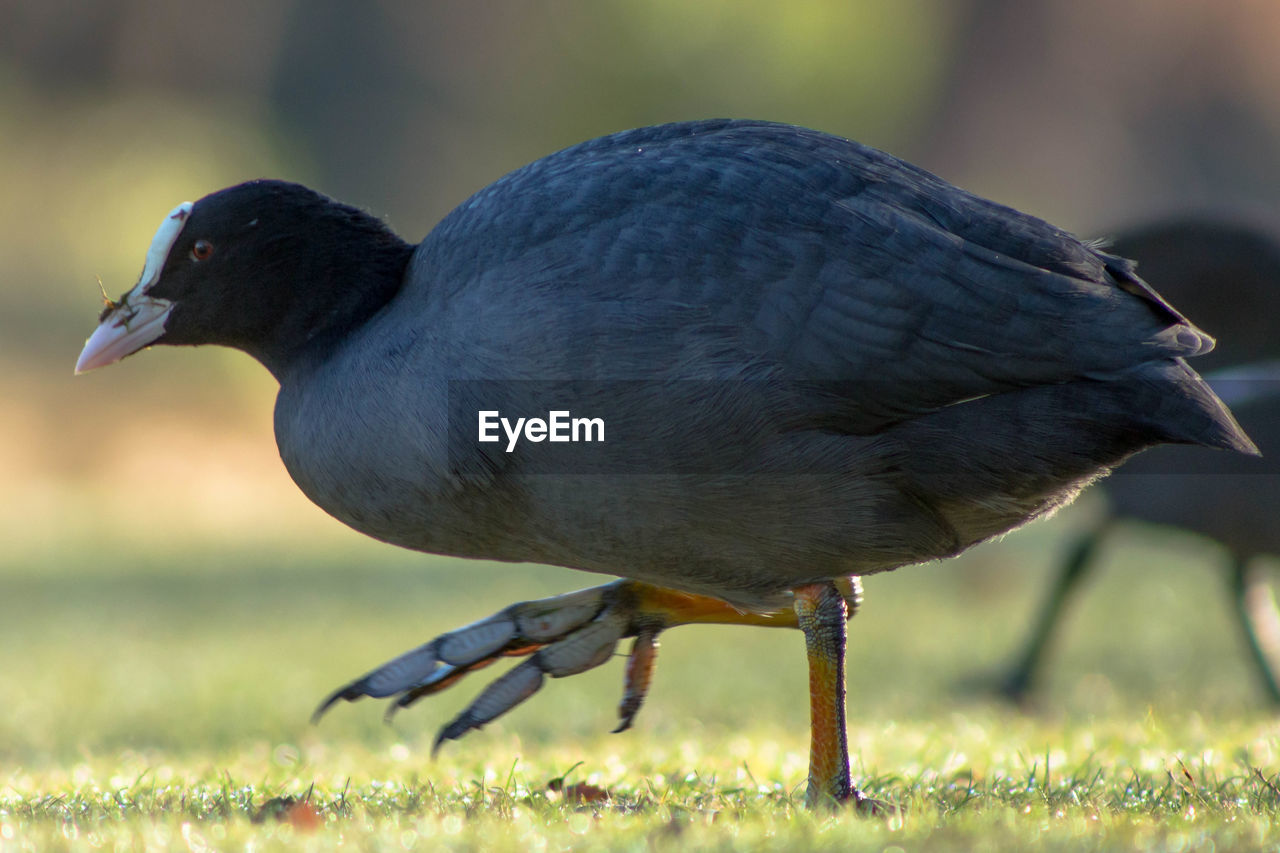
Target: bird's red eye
x=202, y=250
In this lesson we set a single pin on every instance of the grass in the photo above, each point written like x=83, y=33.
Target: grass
x=157, y=696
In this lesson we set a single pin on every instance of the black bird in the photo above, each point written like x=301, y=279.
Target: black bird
x=812, y=362
x=1224, y=271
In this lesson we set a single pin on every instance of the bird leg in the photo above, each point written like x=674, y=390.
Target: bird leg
x=1017, y=685
x=822, y=611
x=559, y=636
x=1256, y=605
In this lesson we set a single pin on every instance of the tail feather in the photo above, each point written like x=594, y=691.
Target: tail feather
x=1185, y=410
x=1044, y=442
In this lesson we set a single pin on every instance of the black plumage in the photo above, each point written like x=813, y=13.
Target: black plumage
x=813, y=360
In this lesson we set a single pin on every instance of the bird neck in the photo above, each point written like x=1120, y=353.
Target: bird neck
x=339, y=297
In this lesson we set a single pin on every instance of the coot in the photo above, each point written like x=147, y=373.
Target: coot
x=810, y=361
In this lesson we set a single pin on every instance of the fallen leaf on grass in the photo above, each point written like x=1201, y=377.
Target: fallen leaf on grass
x=579, y=792
x=299, y=814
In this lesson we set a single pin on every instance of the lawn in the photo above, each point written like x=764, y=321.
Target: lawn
x=157, y=695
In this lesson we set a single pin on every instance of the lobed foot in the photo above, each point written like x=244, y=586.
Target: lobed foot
x=559, y=636
x=562, y=635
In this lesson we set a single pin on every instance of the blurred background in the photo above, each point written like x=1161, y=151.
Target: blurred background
x=114, y=486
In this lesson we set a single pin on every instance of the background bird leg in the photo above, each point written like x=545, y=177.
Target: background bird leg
x=1256, y=605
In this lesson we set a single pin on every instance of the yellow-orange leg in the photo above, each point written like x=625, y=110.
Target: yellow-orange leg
x=822, y=612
